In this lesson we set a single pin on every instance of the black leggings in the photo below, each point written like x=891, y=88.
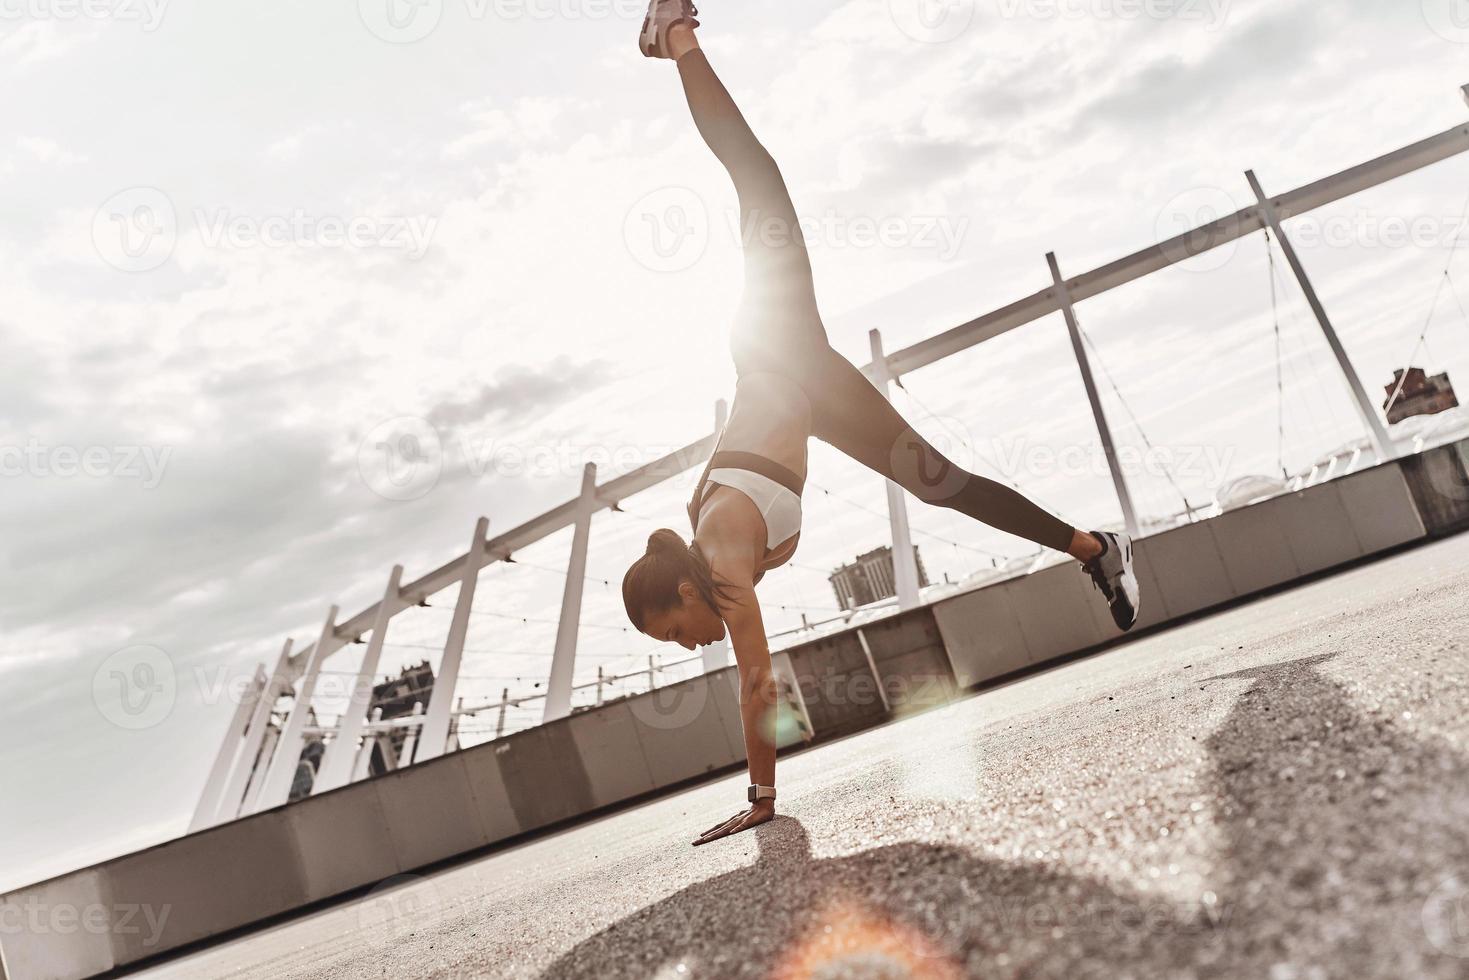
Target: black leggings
x=780, y=331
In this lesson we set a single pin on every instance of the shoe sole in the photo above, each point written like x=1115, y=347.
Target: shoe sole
x=1130, y=577
x=648, y=38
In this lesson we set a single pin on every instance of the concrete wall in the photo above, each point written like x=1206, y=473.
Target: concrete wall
x=208, y=883
x=837, y=685
x=1439, y=480
x=998, y=629
x=140, y=905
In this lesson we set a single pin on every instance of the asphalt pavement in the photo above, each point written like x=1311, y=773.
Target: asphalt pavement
x=1280, y=790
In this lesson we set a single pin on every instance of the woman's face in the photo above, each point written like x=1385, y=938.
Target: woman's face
x=691, y=623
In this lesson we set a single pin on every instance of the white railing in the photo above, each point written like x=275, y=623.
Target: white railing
x=257, y=760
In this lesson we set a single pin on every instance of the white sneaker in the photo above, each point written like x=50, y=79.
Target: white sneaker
x=1112, y=574
x=663, y=14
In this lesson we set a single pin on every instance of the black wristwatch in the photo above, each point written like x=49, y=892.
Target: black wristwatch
x=756, y=793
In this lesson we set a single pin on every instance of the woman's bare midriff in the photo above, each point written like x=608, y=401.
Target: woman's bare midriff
x=771, y=417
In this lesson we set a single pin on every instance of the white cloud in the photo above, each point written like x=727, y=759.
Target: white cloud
x=263, y=368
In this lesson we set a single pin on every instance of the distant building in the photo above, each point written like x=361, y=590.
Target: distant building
x=1421, y=395
x=396, y=697
x=871, y=578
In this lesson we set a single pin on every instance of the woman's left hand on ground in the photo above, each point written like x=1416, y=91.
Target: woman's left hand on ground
x=757, y=814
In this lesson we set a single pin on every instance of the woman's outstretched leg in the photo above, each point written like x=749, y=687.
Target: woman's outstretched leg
x=852, y=415
x=779, y=307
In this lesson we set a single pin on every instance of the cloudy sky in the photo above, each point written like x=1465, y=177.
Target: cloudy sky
x=245, y=247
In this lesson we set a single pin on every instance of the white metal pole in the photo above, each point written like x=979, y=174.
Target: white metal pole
x=362, y=765
x=882, y=691
x=905, y=563
x=261, y=771
x=252, y=754
x=434, y=736
x=340, y=758
x=1119, y=481
x=288, y=747
x=227, y=757
x=411, y=740
x=1376, y=431
x=563, y=661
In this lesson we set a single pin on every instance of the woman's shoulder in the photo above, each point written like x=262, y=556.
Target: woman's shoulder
x=731, y=535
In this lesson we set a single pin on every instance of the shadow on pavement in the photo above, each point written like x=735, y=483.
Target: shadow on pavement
x=1341, y=834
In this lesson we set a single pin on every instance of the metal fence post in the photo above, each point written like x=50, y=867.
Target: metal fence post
x=1119, y=481
x=338, y=764
x=1376, y=431
x=563, y=661
x=433, y=737
x=287, y=755
x=905, y=563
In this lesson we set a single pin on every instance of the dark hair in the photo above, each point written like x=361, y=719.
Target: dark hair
x=651, y=584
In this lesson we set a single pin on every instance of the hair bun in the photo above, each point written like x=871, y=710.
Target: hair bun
x=666, y=542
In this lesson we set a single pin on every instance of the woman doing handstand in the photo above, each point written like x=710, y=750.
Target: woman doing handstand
x=746, y=512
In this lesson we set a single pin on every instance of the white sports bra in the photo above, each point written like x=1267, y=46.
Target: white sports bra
x=779, y=505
